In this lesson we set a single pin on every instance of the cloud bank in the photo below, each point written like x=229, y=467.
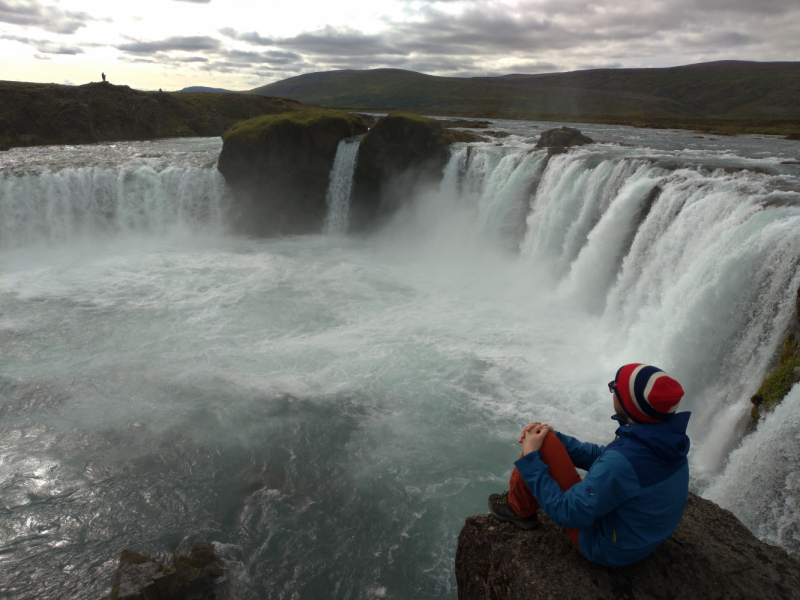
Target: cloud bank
x=443, y=37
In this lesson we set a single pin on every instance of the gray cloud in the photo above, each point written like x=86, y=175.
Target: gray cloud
x=30, y=13
x=182, y=44
x=487, y=38
x=44, y=47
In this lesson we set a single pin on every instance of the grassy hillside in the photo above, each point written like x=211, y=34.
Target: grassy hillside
x=35, y=114
x=723, y=90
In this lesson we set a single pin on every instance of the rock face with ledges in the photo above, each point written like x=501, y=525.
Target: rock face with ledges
x=711, y=555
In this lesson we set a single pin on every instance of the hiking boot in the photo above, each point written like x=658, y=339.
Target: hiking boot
x=499, y=507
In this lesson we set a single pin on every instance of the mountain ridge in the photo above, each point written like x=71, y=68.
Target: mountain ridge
x=722, y=89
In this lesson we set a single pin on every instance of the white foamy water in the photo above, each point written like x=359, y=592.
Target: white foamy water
x=328, y=410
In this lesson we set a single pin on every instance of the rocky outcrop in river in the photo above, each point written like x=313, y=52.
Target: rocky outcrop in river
x=33, y=114
x=711, y=555
x=558, y=140
x=279, y=168
x=400, y=155
x=193, y=577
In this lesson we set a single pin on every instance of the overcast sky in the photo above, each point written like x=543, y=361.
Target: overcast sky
x=241, y=44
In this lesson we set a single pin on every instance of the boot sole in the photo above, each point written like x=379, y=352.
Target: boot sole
x=524, y=525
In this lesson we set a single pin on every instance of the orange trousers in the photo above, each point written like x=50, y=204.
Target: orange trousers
x=557, y=459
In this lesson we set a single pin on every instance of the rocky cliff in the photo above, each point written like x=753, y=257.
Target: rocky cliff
x=36, y=114
x=711, y=555
x=400, y=155
x=279, y=168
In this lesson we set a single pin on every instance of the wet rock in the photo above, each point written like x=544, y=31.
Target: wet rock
x=400, y=155
x=497, y=134
x=278, y=167
x=557, y=140
x=779, y=380
x=711, y=555
x=193, y=577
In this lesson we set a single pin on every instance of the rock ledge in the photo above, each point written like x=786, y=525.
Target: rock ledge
x=711, y=555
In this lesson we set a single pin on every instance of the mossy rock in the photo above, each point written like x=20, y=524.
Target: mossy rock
x=401, y=153
x=278, y=167
x=779, y=381
x=260, y=130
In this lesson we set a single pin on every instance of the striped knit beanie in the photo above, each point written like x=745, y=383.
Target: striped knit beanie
x=646, y=393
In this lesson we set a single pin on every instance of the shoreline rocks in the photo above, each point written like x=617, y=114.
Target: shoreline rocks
x=711, y=555
x=278, y=167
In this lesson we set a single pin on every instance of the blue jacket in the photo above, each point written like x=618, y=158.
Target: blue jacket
x=632, y=497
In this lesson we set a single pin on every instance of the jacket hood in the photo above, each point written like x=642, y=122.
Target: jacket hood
x=667, y=440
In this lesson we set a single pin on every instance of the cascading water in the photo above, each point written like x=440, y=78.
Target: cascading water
x=690, y=268
x=344, y=165
x=56, y=208
x=328, y=410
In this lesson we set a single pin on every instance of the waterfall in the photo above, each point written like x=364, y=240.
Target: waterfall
x=56, y=208
x=690, y=268
x=338, y=198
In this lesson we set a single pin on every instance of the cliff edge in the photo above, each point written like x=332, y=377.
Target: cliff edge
x=711, y=555
x=34, y=114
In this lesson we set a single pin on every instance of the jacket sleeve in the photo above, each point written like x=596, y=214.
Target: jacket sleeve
x=582, y=454
x=610, y=482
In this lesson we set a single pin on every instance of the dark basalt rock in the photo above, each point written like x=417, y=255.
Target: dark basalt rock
x=711, y=555
x=193, y=577
x=279, y=166
x=557, y=140
x=400, y=155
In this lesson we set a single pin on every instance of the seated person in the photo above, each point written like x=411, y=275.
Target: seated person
x=635, y=489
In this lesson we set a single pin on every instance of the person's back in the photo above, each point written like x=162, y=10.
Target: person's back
x=635, y=489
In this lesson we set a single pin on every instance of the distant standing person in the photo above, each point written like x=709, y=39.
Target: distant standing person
x=633, y=495
x=104, y=77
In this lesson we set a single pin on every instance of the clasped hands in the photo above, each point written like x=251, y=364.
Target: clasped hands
x=532, y=436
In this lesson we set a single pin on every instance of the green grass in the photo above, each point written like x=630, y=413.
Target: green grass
x=252, y=131
x=779, y=381
x=39, y=114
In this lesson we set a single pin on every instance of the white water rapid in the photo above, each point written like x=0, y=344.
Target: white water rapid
x=327, y=410
x=344, y=165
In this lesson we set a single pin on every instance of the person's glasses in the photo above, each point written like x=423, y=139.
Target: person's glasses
x=612, y=387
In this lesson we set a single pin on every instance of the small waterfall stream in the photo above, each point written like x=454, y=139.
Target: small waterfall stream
x=344, y=165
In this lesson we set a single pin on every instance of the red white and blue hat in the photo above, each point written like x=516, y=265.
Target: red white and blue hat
x=646, y=393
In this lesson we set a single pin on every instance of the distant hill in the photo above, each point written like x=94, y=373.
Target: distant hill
x=33, y=114
x=728, y=89
x=200, y=88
